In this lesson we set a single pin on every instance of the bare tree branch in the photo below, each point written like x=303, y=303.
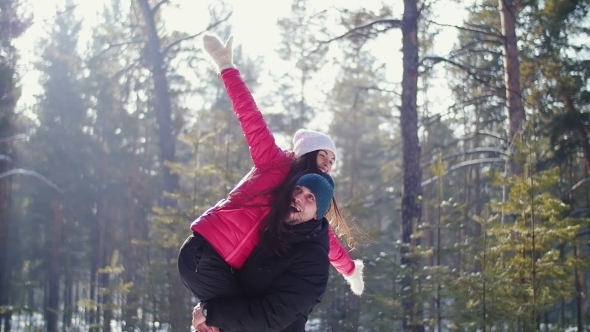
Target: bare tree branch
x=366, y=29
x=381, y=200
x=57, y=13
x=471, y=151
x=363, y=30
x=158, y=5
x=581, y=213
x=13, y=138
x=475, y=47
x=178, y=41
x=474, y=29
x=209, y=27
x=472, y=136
x=578, y=185
x=33, y=174
x=436, y=59
x=471, y=101
x=112, y=46
x=376, y=88
x=466, y=163
x=482, y=149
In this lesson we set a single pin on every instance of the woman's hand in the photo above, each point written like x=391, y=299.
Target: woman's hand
x=221, y=54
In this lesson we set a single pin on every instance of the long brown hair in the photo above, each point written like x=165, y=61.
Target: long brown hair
x=273, y=229
x=341, y=224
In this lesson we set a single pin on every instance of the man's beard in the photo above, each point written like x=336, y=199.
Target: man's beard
x=292, y=222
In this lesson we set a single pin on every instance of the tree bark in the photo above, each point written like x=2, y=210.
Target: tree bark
x=132, y=259
x=179, y=317
x=68, y=311
x=516, y=115
x=163, y=104
x=579, y=284
x=411, y=200
x=92, y=317
x=5, y=185
x=569, y=105
x=52, y=308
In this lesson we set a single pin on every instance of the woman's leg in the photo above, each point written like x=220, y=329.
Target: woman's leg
x=204, y=272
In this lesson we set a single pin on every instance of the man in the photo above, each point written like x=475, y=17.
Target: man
x=280, y=285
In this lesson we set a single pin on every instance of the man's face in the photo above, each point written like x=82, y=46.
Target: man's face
x=303, y=206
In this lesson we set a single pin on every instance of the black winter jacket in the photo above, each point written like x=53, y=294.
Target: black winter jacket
x=279, y=291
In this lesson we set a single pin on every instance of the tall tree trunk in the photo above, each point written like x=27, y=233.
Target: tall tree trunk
x=107, y=311
x=163, y=104
x=477, y=189
x=52, y=308
x=411, y=203
x=132, y=263
x=5, y=186
x=516, y=116
x=179, y=317
x=569, y=105
x=92, y=317
x=579, y=284
x=14, y=23
x=68, y=286
x=104, y=247
x=577, y=252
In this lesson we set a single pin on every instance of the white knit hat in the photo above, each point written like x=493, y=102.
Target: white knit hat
x=305, y=141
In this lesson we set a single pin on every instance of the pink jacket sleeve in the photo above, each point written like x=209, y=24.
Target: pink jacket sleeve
x=339, y=257
x=260, y=140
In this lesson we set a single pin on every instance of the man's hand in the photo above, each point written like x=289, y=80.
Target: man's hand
x=221, y=54
x=199, y=320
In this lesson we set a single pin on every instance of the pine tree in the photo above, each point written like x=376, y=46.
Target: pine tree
x=13, y=23
x=529, y=265
x=120, y=129
x=361, y=128
x=60, y=144
x=300, y=51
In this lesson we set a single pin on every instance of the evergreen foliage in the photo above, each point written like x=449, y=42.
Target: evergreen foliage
x=493, y=248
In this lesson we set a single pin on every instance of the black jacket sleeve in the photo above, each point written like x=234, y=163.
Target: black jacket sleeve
x=295, y=291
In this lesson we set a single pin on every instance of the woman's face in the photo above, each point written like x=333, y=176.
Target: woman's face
x=325, y=160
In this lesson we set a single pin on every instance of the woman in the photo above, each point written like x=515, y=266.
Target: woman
x=225, y=235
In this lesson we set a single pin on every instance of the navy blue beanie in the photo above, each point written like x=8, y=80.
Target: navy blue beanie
x=322, y=187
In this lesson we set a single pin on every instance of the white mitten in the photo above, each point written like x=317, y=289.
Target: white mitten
x=221, y=54
x=355, y=280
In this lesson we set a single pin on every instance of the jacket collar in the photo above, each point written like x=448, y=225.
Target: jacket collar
x=307, y=230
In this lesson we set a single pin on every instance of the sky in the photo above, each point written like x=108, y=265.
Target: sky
x=254, y=27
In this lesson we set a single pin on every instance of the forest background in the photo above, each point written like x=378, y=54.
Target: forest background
x=462, y=129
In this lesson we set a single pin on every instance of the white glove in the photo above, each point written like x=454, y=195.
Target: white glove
x=221, y=54
x=355, y=280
